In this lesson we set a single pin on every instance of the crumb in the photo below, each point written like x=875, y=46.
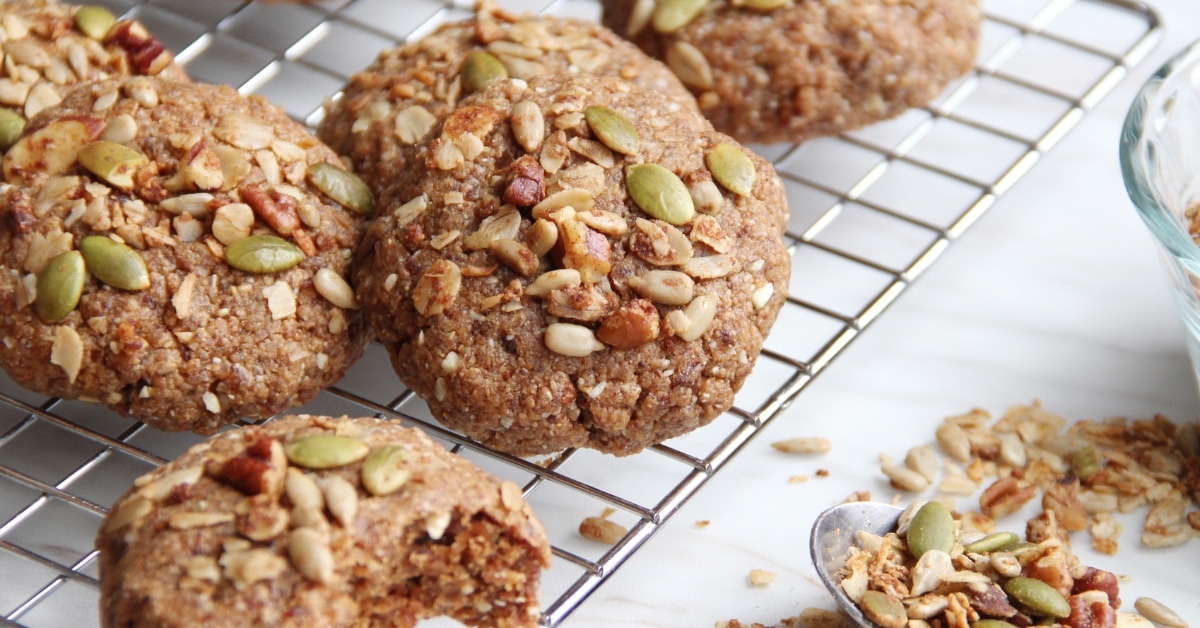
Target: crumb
x=761, y=577
x=822, y=473
x=703, y=523
x=798, y=479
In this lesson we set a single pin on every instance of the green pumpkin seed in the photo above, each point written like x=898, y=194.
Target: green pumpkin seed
x=1037, y=597
x=1085, y=462
x=992, y=623
x=114, y=263
x=59, y=286
x=325, y=451
x=263, y=253
x=931, y=528
x=11, y=126
x=732, y=169
x=481, y=68
x=94, y=21
x=384, y=471
x=344, y=187
x=113, y=162
x=672, y=15
x=883, y=609
x=993, y=543
x=613, y=129
x=658, y=192
x=761, y=5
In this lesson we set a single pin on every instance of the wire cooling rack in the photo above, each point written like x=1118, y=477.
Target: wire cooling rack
x=871, y=211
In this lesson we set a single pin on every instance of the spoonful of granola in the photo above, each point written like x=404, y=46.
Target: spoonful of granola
x=886, y=565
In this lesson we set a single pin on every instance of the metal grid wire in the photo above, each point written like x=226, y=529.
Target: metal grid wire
x=871, y=211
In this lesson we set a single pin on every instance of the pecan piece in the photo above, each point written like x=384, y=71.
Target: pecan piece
x=259, y=469
x=1086, y=613
x=277, y=210
x=989, y=600
x=1099, y=580
x=147, y=55
x=527, y=187
x=631, y=326
x=585, y=303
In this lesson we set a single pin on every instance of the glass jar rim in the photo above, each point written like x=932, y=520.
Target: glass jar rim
x=1136, y=159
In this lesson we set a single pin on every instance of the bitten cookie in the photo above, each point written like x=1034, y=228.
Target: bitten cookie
x=315, y=521
x=790, y=70
x=50, y=46
x=574, y=264
x=177, y=252
x=388, y=108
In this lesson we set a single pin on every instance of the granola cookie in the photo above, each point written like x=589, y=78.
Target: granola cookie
x=316, y=521
x=177, y=252
x=49, y=47
x=385, y=111
x=793, y=70
x=574, y=264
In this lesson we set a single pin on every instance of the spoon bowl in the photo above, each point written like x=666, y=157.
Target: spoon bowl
x=834, y=532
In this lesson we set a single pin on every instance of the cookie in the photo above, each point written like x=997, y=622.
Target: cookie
x=177, y=252
x=384, y=112
x=574, y=264
x=791, y=70
x=315, y=521
x=49, y=47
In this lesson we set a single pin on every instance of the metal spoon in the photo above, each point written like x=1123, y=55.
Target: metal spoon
x=834, y=531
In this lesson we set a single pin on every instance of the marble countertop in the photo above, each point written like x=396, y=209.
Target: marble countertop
x=1055, y=294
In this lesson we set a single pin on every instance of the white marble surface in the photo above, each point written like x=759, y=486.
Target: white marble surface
x=1055, y=294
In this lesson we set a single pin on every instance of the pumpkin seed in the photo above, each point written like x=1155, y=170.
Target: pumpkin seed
x=113, y=162
x=1037, y=597
x=384, y=471
x=732, y=168
x=992, y=623
x=613, y=129
x=672, y=15
x=481, y=68
x=342, y=186
x=883, y=609
x=114, y=263
x=325, y=451
x=760, y=5
x=11, y=125
x=658, y=192
x=931, y=528
x=59, y=286
x=94, y=21
x=263, y=253
x=993, y=543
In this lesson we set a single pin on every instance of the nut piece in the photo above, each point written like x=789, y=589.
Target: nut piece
x=385, y=471
x=571, y=340
x=259, y=470
x=803, y=445
x=263, y=253
x=67, y=351
x=334, y=288
x=341, y=498
x=672, y=15
x=114, y=263
x=310, y=553
x=59, y=286
x=1159, y=613
x=660, y=193
x=668, y=287
x=528, y=125
x=325, y=451
x=50, y=150
x=343, y=187
x=115, y=163
x=602, y=530
x=438, y=288
x=613, y=129
x=631, y=326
